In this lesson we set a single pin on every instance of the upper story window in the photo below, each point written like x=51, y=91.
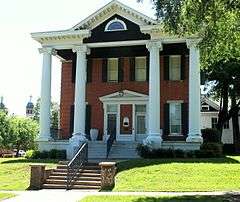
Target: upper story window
x=115, y=25
x=112, y=70
x=205, y=108
x=175, y=67
x=140, y=69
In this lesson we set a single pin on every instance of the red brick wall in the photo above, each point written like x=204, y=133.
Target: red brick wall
x=170, y=90
x=67, y=98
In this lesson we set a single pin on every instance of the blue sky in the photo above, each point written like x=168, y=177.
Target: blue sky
x=20, y=66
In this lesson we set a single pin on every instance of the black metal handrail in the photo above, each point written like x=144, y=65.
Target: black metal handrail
x=110, y=143
x=76, y=163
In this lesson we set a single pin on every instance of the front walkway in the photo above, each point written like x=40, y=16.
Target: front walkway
x=76, y=195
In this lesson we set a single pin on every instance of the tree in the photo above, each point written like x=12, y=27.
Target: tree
x=217, y=23
x=5, y=139
x=54, y=113
x=24, y=132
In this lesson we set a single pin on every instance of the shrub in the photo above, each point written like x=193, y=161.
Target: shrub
x=211, y=135
x=207, y=150
x=32, y=154
x=52, y=154
x=212, y=149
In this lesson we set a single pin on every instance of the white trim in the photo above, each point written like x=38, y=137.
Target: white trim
x=114, y=7
x=113, y=21
x=209, y=102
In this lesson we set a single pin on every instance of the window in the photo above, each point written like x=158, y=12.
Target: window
x=175, y=67
x=140, y=111
x=226, y=125
x=175, y=118
x=140, y=68
x=140, y=108
x=205, y=108
x=214, y=122
x=115, y=25
x=111, y=108
x=112, y=71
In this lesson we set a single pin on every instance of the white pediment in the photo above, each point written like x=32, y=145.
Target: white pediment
x=114, y=7
x=125, y=95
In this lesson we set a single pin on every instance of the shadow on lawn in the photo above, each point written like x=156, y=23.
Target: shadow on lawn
x=223, y=198
x=129, y=164
x=22, y=160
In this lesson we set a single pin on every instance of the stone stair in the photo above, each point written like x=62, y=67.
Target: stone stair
x=123, y=150
x=97, y=150
x=88, y=178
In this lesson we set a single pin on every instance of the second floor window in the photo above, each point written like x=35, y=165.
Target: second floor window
x=140, y=69
x=112, y=70
x=175, y=67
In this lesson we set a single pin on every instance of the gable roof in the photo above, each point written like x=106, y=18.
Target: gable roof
x=112, y=8
x=211, y=103
x=124, y=95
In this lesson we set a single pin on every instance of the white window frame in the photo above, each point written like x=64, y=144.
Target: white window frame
x=207, y=107
x=170, y=67
x=175, y=102
x=136, y=79
x=115, y=20
x=112, y=81
x=212, y=123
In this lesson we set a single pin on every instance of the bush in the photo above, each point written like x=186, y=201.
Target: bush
x=207, y=150
x=52, y=154
x=212, y=149
x=211, y=135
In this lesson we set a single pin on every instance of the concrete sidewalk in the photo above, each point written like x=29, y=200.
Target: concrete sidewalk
x=76, y=195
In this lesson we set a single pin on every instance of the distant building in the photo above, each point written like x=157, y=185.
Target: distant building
x=209, y=119
x=29, y=108
x=2, y=105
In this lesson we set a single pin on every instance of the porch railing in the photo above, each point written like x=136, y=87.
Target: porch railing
x=76, y=164
x=110, y=143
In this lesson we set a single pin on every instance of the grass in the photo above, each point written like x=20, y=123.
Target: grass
x=4, y=196
x=15, y=172
x=156, y=199
x=220, y=174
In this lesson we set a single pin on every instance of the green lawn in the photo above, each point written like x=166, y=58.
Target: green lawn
x=222, y=174
x=4, y=196
x=155, y=199
x=15, y=172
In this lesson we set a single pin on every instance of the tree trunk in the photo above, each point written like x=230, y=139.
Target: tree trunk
x=223, y=109
x=235, y=124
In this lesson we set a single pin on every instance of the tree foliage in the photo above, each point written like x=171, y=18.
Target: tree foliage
x=54, y=113
x=24, y=132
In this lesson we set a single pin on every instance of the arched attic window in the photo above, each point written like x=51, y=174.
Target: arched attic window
x=115, y=25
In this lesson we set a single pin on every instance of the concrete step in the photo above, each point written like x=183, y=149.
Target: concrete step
x=80, y=171
x=89, y=178
x=88, y=167
x=82, y=174
x=75, y=182
x=60, y=186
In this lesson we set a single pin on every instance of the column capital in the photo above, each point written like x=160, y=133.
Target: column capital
x=48, y=50
x=154, y=44
x=192, y=43
x=81, y=49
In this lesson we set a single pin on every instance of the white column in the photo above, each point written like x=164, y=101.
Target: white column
x=154, y=138
x=194, y=134
x=45, y=103
x=80, y=91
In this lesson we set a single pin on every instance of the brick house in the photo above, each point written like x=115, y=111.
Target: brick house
x=125, y=77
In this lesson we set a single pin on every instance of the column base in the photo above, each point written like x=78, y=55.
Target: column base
x=74, y=143
x=153, y=141
x=196, y=138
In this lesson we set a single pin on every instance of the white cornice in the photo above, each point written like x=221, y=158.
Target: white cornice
x=114, y=7
x=65, y=36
